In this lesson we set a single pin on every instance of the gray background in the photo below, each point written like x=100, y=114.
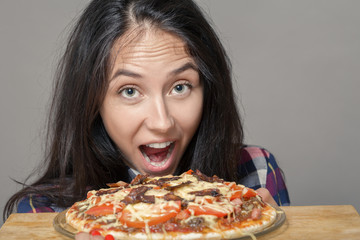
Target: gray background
x=297, y=71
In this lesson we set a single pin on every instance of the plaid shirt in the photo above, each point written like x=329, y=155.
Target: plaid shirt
x=257, y=166
x=258, y=169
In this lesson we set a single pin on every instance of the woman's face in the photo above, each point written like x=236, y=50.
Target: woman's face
x=154, y=101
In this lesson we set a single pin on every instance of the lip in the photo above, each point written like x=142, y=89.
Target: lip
x=160, y=170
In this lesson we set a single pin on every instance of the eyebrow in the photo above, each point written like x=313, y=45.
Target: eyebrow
x=183, y=68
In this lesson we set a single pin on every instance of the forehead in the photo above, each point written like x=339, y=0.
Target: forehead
x=149, y=43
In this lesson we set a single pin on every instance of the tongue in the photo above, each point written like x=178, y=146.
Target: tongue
x=156, y=154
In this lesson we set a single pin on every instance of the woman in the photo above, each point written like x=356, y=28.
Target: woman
x=144, y=86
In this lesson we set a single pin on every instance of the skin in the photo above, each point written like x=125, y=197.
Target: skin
x=153, y=66
x=154, y=96
x=86, y=236
x=266, y=196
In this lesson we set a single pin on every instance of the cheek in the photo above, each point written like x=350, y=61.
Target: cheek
x=120, y=126
x=188, y=115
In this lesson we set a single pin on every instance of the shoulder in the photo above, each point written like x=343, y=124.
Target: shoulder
x=254, y=164
x=254, y=158
x=257, y=156
x=260, y=158
x=251, y=153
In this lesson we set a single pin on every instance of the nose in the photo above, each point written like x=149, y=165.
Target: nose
x=159, y=118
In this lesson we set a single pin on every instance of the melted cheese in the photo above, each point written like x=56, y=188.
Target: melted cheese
x=144, y=211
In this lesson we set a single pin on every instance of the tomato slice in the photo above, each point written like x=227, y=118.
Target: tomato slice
x=155, y=214
x=95, y=233
x=183, y=214
x=206, y=210
x=237, y=191
x=104, y=209
x=236, y=194
x=236, y=187
x=89, y=194
x=249, y=193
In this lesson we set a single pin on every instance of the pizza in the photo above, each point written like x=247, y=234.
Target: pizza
x=189, y=206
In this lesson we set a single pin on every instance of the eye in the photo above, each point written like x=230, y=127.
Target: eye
x=129, y=92
x=182, y=88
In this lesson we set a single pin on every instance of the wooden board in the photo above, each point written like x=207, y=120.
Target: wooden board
x=318, y=222
x=30, y=226
x=302, y=222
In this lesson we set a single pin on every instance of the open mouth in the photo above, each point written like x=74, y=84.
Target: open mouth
x=157, y=154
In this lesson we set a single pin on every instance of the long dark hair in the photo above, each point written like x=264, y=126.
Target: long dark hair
x=80, y=154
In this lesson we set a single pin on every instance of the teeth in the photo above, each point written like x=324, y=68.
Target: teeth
x=162, y=163
x=159, y=145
